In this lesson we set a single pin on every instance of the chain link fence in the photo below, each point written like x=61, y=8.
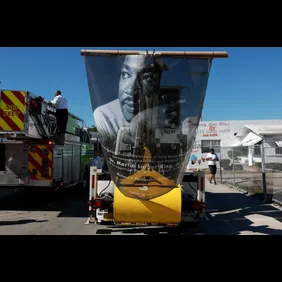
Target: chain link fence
x=254, y=171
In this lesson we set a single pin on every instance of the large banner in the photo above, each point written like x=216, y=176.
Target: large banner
x=147, y=110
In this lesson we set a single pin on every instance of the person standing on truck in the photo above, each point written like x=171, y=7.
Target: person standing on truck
x=61, y=105
x=212, y=158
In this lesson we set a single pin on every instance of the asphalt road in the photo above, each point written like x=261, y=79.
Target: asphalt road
x=229, y=213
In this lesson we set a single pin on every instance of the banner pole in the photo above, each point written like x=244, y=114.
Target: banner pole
x=185, y=54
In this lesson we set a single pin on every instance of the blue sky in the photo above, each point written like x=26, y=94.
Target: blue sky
x=248, y=85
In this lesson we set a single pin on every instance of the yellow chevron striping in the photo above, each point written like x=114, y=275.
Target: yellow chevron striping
x=15, y=100
x=15, y=118
x=30, y=168
x=4, y=125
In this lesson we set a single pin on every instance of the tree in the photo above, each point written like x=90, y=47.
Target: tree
x=93, y=128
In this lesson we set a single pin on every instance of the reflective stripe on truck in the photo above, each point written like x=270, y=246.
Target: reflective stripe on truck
x=40, y=161
x=12, y=110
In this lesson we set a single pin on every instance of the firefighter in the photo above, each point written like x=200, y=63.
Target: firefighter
x=61, y=105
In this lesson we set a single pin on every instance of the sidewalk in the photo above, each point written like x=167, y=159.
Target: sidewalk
x=238, y=214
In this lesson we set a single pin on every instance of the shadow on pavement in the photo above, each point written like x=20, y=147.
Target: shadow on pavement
x=236, y=212
x=71, y=202
x=23, y=221
x=147, y=230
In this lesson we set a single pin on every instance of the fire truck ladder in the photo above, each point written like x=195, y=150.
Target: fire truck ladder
x=45, y=125
x=42, y=125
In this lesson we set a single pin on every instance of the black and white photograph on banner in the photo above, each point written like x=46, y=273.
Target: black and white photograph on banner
x=146, y=109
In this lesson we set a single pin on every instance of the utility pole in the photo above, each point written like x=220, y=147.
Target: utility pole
x=262, y=152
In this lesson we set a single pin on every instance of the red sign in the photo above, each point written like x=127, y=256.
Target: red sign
x=212, y=135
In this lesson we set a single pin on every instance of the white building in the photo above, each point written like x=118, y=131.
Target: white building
x=221, y=135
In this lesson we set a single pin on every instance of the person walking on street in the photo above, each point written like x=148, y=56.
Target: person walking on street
x=212, y=158
x=61, y=105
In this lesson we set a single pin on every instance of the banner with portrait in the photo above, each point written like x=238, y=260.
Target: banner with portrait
x=147, y=110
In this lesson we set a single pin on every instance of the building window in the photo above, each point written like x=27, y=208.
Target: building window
x=278, y=150
x=207, y=145
x=257, y=150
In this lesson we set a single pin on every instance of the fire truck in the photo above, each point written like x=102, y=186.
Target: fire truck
x=32, y=154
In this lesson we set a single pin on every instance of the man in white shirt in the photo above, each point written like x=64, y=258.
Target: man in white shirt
x=61, y=105
x=212, y=158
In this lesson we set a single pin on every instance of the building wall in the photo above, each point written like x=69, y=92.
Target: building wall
x=220, y=135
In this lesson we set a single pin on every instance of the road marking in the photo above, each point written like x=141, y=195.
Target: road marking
x=230, y=211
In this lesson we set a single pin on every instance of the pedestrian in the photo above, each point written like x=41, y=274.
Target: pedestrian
x=98, y=160
x=61, y=105
x=212, y=158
